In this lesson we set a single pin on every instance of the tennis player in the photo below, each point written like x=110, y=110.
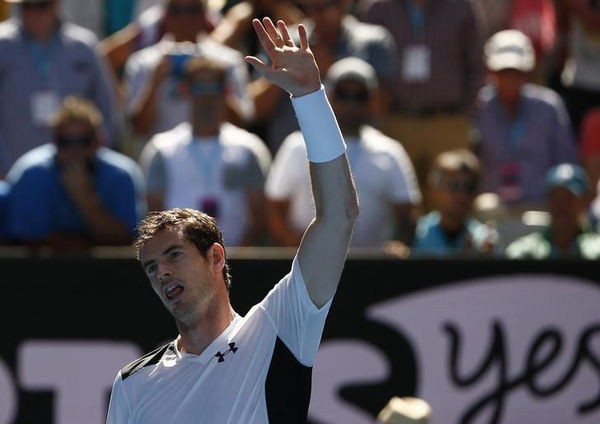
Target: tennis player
x=224, y=368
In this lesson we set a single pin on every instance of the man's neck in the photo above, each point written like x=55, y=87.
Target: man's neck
x=205, y=130
x=196, y=337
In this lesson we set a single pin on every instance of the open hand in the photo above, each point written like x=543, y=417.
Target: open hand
x=292, y=68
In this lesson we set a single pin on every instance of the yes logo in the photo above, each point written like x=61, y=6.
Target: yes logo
x=497, y=350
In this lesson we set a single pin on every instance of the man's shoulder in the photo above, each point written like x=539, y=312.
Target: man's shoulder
x=9, y=31
x=541, y=96
x=234, y=136
x=78, y=35
x=364, y=31
x=117, y=163
x=35, y=163
x=530, y=246
x=149, y=359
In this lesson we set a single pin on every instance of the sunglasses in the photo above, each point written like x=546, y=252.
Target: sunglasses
x=351, y=96
x=181, y=9
x=460, y=186
x=41, y=5
x=64, y=140
x=205, y=88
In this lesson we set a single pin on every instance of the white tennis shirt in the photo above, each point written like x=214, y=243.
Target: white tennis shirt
x=257, y=371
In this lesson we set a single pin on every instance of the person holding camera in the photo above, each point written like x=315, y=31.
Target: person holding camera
x=72, y=193
x=153, y=77
x=207, y=163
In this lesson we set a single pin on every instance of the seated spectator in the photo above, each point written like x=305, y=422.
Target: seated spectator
x=524, y=128
x=450, y=229
x=334, y=34
x=568, y=235
x=208, y=164
x=153, y=75
x=72, y=193
x=4, y=190
x=43, y=59
x=384, y=177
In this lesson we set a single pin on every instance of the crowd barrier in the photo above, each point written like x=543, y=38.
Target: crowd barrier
x=485, y=342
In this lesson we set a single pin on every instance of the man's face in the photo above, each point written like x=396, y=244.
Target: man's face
x=509, y=83
x=75, y=141
x=455, y=193
x=565, y=208
x=40, y=18
x=185, y=281
x=207, y=92
x=184, y=19
x=351, y=103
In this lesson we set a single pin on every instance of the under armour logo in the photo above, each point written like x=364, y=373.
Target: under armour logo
x=232, y=349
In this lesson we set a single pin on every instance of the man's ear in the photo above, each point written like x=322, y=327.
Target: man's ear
x=216, y=256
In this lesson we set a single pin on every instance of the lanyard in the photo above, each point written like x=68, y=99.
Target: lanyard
x=517, y=127
x=417, y=18
x=42, y=55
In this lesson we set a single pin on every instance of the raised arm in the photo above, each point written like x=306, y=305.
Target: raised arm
x=323, y=249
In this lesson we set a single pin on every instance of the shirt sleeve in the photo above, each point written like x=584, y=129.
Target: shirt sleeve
x=403, y=182
x=154, y=169
x=118, y=408
x=282, y=176
x=298, y=321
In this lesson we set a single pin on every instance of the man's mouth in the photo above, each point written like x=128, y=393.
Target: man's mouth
x=173, y=290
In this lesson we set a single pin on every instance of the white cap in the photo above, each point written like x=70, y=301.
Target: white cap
x=405, y=410
x=509, y=49
x=352, y=69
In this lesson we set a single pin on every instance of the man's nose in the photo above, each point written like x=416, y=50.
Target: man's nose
x=164, y=271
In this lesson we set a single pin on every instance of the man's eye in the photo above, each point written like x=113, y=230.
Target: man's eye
x=151, y=269
x=174, y=255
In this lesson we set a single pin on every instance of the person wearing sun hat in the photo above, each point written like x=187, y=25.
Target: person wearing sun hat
x=523, y=128
x=568, y=234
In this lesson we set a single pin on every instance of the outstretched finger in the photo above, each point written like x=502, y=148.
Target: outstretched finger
x=303, y=37
x=287, y=38
x=262, y=35
x=272, y=31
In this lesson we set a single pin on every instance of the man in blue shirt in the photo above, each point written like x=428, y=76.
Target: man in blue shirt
x=450, y=229
x=72, y=193
x=4, y=190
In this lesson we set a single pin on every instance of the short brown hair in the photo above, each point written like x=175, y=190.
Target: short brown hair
x=196, y=227
x=79, y=110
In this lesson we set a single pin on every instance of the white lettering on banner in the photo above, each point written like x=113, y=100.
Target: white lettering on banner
x=502, y=350
x=8, y=395
x=80, y=373
x=362, y=363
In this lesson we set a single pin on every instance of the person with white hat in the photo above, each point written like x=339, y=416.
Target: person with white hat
x=524, y=128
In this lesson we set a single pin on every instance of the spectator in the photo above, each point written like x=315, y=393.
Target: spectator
x=153, y=75
x=157, y=18
x=72, y=193
x=524, y=128
x=4, y=10
x=207, y=163
x=590, y=158
x=4, y=191
x=568, y=235
x=439, y=72
x=450, y=229
x=334, y=34
x=235, y=29
x=581, y=73
x=383, y=174
x=43, y=60
x=590, y=145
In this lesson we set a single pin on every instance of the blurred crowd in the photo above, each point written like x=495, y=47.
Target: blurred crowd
x=472, y=126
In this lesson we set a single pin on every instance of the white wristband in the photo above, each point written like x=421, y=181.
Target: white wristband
x=324, y=141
